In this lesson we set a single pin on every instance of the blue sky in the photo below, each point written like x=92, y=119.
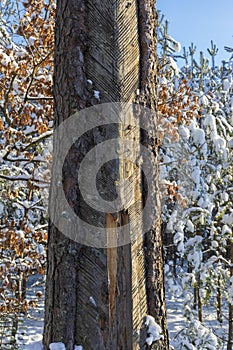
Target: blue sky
x=200, y=21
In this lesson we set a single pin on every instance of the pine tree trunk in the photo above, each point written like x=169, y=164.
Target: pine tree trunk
x=98, y=297
x=219, y=300
x=230, y=313
x=200, y=317
x=230, y=328
x=199, y=301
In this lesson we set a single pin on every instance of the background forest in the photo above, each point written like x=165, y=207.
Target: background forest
x=195, y=110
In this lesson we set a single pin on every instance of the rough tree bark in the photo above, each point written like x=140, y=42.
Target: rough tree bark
x=113, y=44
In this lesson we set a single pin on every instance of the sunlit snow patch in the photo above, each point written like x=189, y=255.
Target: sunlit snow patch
x=154, y=330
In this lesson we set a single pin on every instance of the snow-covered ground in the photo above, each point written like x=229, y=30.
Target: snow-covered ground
x=175, y=318
x=29, y=335
x=186, y=332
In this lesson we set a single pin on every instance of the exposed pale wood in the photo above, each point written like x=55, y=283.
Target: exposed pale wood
x=111, y=223
x=120, y=297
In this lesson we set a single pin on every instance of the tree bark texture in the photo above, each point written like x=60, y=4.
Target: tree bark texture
x=98, y=297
